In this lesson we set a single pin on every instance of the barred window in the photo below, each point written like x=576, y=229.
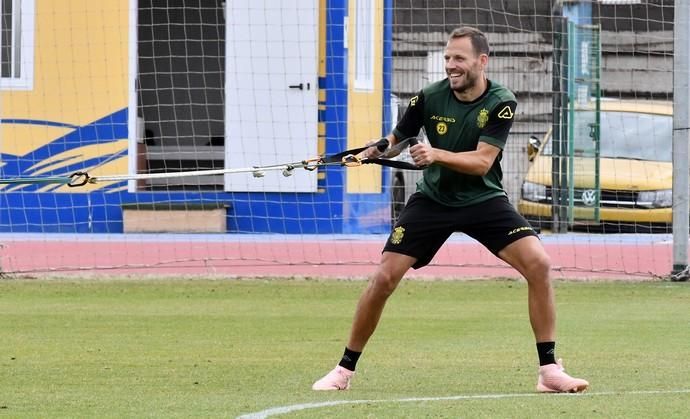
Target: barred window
x=16, y=44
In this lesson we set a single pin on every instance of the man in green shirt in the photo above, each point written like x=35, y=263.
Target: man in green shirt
x=466, y=118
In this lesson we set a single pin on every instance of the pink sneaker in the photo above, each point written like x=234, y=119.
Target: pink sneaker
x=338, y=379
x=553, y=379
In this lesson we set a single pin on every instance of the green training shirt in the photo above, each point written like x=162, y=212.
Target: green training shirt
x=456, y=126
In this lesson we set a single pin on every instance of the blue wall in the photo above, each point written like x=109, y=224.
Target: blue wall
x=331, y=210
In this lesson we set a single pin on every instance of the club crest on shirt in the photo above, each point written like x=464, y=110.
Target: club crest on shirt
x=414, y=100
x=482, y=118
x=397, y=235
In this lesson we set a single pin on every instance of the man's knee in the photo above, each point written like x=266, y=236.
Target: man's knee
x=389, y=273
x=384, y=283
x=538, y=268
x=529, y=257
x=542, y=262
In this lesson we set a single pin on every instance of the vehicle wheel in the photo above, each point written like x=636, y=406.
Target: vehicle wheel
x=397, y=198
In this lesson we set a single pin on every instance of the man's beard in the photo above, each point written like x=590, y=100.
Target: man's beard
x=470, y=82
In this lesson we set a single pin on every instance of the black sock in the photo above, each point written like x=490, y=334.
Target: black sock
x=349, y=360
x=547, y=353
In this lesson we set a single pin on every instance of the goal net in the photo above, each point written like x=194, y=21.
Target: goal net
x=193, y=137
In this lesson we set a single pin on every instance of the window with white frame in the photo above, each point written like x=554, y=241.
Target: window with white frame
x=364, y=44
x=16, y=44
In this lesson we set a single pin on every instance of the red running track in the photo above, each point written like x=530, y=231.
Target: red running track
x=625, y=257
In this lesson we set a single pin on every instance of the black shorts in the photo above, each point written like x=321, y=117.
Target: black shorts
x=424, y=225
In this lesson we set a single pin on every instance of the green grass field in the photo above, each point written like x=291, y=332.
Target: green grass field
x=224, y=348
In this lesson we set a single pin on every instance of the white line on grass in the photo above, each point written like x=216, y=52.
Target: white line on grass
x=281, y=410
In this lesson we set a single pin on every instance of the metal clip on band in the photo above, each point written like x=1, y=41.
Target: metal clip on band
x=78, y=179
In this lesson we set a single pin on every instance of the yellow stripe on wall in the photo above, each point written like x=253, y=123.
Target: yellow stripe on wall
x=322, y=43
x=364, y=111
x=21, y=139
x=88, y=152
x=80, y=69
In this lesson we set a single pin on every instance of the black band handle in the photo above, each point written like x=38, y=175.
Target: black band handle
x=382, y=144
x=398, y=164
